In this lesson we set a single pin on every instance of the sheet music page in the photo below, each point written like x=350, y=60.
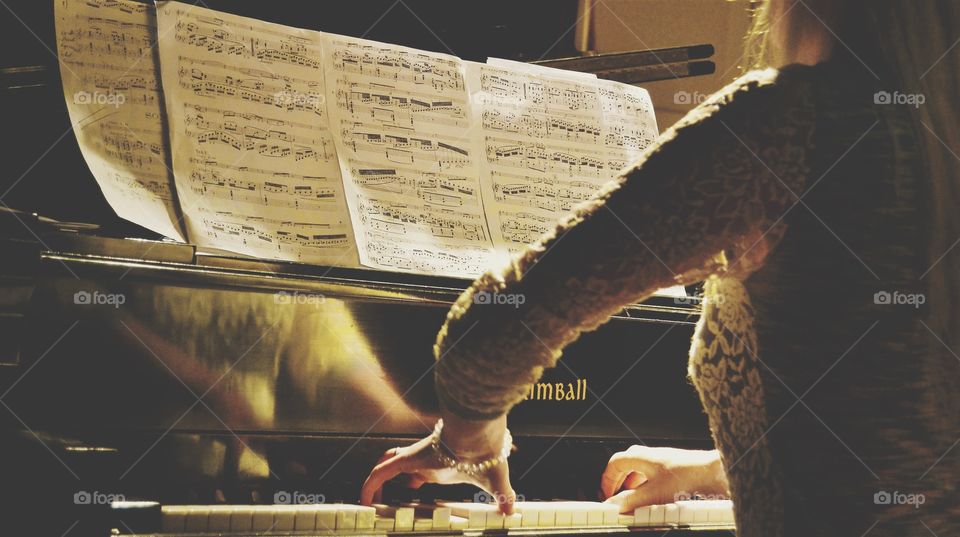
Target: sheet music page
x=550, y=141
x=111, y=82
x=254, y=159
x=408, y=157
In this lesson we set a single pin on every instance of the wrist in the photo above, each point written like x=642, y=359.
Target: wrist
x=473, y=438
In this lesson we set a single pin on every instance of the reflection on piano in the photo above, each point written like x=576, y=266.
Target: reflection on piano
x=226, y=392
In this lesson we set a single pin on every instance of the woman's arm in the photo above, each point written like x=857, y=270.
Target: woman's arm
x=713, y=186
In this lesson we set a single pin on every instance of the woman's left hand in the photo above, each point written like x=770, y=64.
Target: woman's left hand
x=468, y=440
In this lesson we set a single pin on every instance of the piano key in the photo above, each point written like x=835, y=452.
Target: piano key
x=305, y=517
x=611, y=513
x=641, y=516
x=218, y=518
x=478, y=515
x=262, y=519
x=241, y=519
x=657, y=515
x=196, y=519
x=625, y=520
x=173, y=517
x=671, y=514
x=426, y=524
x=438, y=515
x=284, y=518
x=720, y=512
x=402, y=516
x=564, y=518
x=327, y=518
x=578, y=515
x=458, y=522
x=385, y=524
x=365, y=517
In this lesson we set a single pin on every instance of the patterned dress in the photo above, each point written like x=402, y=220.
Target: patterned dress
x=795, y=199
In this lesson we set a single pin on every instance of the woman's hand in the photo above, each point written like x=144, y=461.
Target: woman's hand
x=656, y=475
x=468, y=440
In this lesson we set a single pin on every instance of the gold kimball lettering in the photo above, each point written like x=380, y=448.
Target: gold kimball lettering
x=558, y=391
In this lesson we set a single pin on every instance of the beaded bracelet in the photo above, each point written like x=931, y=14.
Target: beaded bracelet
x=469, y=468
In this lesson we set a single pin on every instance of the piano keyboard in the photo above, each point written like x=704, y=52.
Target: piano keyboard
x=443, y=517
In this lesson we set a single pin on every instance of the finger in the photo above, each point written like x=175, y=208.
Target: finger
x=620, y=465
x=611, y=481
x=502, y=490
x=381, y=473
x=647, y=494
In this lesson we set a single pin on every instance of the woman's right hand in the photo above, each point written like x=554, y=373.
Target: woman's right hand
x=644, y=475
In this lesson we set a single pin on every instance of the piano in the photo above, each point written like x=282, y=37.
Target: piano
x=148, y=388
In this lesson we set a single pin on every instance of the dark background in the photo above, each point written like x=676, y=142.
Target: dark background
x=43, y=171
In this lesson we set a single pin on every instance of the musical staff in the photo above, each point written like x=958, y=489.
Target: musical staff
x=111, y=83
x=255, y=161
x=412, y=183
x=550, y=143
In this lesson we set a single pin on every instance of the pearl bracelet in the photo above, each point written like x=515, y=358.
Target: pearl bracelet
x=469, y=468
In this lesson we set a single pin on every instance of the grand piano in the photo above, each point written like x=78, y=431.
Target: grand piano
x=151, y=388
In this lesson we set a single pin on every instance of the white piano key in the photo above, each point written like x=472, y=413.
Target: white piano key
x=578, y=514
x=513, y=521
x=529, y=518
x=327, y=518
x=594, y=516
x=657, y=513
x=438, y=516
x=611, y=513
x=241, y=519
x=172, y=518
x=720, y=512
x=196, y=519
x=365, y=517
x=284, y=518
x=218, y=518
x=625, y=520
x=671, y=514
x=402, y=517
x=382, y=523
x=441, y=518
x=564, y=518
x=458, y=522
x=262, y=519
x=426, y=524
x=641, y=516
x=305, y=517
x=346, y=519
x=478, y=515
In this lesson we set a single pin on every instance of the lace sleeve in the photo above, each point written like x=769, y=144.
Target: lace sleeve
x=714, y=184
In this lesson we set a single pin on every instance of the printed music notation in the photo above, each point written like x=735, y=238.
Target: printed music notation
x=298, y=145
x=250, y=137
x=412, y=181
x=111, y=84
x=551, y=142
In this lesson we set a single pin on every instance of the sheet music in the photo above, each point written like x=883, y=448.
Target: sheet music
x=110, y=79
x=550, y=141
x=408, y=157
x=254, y=159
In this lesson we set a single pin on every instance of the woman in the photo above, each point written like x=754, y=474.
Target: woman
x=818, y=203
